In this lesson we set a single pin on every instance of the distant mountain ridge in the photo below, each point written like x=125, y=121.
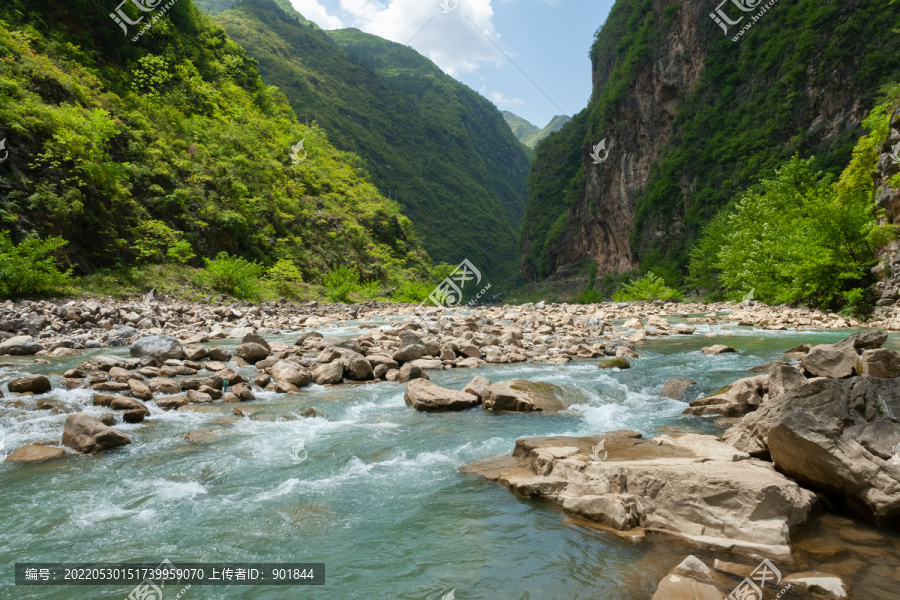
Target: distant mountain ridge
x=530, y=134
x=431, y=143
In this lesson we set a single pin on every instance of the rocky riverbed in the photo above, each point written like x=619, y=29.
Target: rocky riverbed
x=128, y=365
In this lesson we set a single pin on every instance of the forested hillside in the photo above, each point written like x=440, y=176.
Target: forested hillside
x=530, y=134
x=170, y=148
x=434, y=145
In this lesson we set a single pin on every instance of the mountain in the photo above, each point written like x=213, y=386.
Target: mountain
x=530, y=134
x=434, y=145
x=141, y=148
x=694, y=112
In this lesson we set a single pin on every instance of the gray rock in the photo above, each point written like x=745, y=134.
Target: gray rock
x=425, y=396
x=879, y=362
x=830, y=360
x=123, y=333
x=784, y=378
x=477, y=386
x=289, y=372
x=251, y=352
x=356, y=366
x=158, y=347
x=329, y=373
x=408, y=372
x=408, y=353
x=20, y=345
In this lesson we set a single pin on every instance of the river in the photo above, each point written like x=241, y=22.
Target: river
x=369, y=487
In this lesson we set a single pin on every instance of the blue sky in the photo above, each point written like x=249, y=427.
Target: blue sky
x=549, y=40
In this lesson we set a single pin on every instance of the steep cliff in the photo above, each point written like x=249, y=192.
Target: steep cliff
x=689, y=117
x=887, y=195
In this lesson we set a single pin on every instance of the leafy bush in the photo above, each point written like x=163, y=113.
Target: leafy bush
x=648, y=288
x=284, y=276
x=413, y=292
x=29, y=269
x=235, y=275
x=589, y=296
x=340, y=282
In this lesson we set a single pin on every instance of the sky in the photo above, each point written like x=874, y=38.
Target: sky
x=529, y=57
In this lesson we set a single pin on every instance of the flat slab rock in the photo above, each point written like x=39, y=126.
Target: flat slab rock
x=688, y=485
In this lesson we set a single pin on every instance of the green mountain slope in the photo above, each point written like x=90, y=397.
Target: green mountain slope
x=129, y=149
x=693, y=118
x=530, y=134
x=434, y=145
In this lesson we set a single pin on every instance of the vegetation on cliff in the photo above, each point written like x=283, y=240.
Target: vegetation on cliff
x=170, y=149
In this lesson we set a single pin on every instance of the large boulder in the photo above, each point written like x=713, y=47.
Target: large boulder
x=520, y=395
x=830, y=360
x=288, y=371
x=157, y=347
x=425, y=396
x=85, y=433
x=734, y=400
x=356, y=366
x=36, y=384
x=332, y=372
x=477, y=386
x=824, y=434
x=878, y=362
x=20, y=345
x=408, y=353
x=410, y=371
x=736, y=503
x=251, y=352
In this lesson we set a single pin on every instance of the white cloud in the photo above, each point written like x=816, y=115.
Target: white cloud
x=500, y=100
x=458, y=41
x=317, y=13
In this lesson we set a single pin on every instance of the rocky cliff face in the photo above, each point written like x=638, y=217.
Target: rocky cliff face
x=887, y=196
x=691, y=119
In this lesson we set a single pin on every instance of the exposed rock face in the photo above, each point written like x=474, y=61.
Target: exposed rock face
x=520, y=395
x=887, y=198
x=158, y=347
x=86, y=434
x=597, y=218
x=425, y=396
x=821, y=435
x=738, y=504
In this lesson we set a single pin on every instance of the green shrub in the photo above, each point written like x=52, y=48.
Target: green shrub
x=340, y=282
x=235, y=276
x=648, y=288
x=181, y=252
x=285, y=276
x=412, y=291
x=589, y=296
x=29, y=269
